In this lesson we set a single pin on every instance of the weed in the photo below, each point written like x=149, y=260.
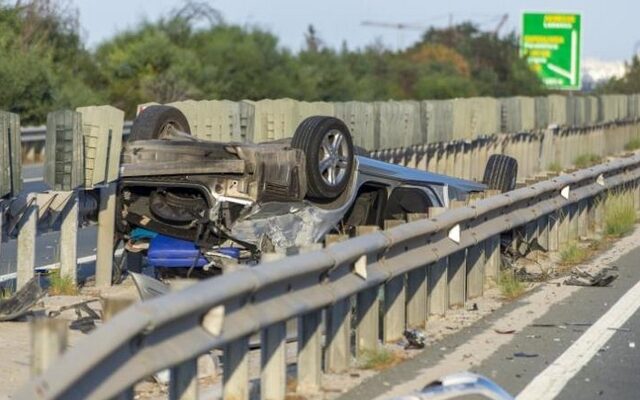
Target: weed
x=619, y=214
x=61, y=285
x=555, y=167
x=587, y=160
x=509, y=285
x=633, y=144
x=380, y=359
x=573, y=254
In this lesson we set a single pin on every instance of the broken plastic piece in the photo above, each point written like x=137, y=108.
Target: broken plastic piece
x=416, y=339
x=22, y=301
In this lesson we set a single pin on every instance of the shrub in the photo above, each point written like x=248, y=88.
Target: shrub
x=619, y=214
x=587, y=160
x=509, y=285
x=61, y=285
x=633, y=144
x=573, y=254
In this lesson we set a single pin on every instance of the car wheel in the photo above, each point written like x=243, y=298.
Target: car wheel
x=501, y=172
x=327, y=144
x=157, y=122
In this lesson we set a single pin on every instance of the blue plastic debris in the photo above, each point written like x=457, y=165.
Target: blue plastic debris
x=168, y=252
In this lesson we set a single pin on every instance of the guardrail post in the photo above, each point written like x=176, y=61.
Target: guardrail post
x=457, y=267
x=475, y=271
x=583, y=221
x=417, y=286
x=112, y=305
x=183, y=383
x=563, y=227
x=437, y=279
x=69, y=239
x=393, y=321
x=574, y=213
x=492, y=255
x=48, y=341
x=273, y=374
x=438, y=290
x=106, y=228
x=235, y=373
x=26, y=256
x=338, y=333
x=367, y=309
x=310, y=347
x=554, y=229
x=543, y=231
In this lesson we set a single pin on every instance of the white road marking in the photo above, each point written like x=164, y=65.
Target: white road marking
x=81, y=260
x=32, y=180
x=550, y=382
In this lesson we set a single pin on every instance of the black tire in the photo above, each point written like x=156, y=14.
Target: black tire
x=501, y=173
x=330, y=182
x=154, y=121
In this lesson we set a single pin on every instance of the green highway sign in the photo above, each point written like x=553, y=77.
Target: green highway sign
x=551, y=44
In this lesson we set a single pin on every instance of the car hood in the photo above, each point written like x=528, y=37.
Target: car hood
x=381, y=169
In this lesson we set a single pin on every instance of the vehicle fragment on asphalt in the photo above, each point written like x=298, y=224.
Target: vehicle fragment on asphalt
x=581, y=277
x=22, y=301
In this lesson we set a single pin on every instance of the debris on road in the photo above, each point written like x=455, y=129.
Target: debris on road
x=580, y=277
x=24, y=299
x=522, y=354
x=416, y=339
x=84, y=324
x=632, y=345
x=505, y=331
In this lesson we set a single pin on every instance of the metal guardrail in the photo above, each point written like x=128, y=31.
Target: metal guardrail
x=38, y=133
x=223, y=312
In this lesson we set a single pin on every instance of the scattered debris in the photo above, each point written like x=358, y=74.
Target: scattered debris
x=632, y=345
x=416, y=339
x=474, y=307
x=619, y=329
x=24, y=299
x=505, y=331
x=580, y=277
x=84, y=324
x=522, y=354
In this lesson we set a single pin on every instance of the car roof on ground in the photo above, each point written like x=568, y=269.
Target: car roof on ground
x=407, y=175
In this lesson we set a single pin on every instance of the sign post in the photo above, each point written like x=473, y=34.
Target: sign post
x=551, y=44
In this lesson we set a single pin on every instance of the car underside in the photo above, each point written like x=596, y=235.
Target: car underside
x=228, y=203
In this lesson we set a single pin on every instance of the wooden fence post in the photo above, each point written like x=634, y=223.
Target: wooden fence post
x=26, y=256
x=69, y=240
x=48, y=341
x=273, y=372
x=338, y=332
x=367, y=308
x=310, y=347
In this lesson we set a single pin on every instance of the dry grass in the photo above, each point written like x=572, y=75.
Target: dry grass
x=509, y=285
x=555, y=167
x=573, y=254
x=633, y=144
x=587, y=160
x=379, y=360
x=619, y=215
x=61, y=285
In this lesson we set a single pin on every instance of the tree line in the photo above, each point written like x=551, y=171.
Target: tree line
x=192, y=52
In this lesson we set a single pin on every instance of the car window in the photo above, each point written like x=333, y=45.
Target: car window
x=406, y=200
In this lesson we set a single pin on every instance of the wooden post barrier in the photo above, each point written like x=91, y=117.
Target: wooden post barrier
x=393, y=320
x=26, y=256
x=310, y=346
x=69, y=240
x=48, y=341
x=417, y=289
x=338, y=333
x=112, y=305
x=183, y=378
x=273, y=372
x=367, y=308
x=437, y=279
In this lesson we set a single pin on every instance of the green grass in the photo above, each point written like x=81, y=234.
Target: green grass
x=619, y=215
x=573, y=254
x=6, y=293
x=587, y=160
x=61, y=285
x=633, y=144
x=380, y=359
x=509, y=285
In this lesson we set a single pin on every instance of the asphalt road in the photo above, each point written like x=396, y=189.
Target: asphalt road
x=47, y=243
x=594, y=332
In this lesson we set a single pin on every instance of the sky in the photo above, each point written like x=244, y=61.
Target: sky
x=610, y=27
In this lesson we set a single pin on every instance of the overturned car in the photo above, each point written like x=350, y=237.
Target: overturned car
x=189, y=203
